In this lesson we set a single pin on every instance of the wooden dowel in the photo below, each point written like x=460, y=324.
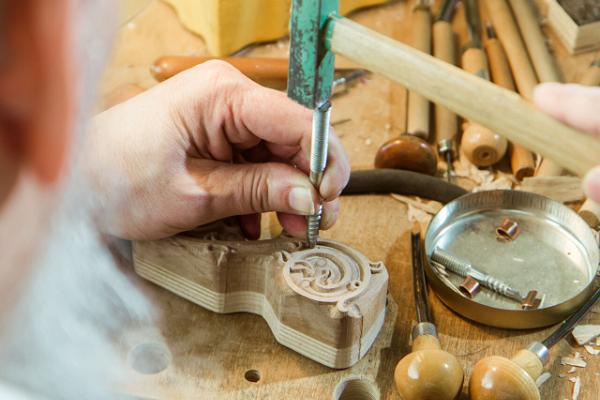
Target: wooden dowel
x=446, y=122
x=418, y=106
x=543, y=62
x=521, y=160
x=480, y=145
x=506, y=29
x=258, y=69
x=467, y=95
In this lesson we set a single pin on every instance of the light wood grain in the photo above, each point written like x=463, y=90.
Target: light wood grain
x=326, y=303
x=418, y=105
x=575, y=38
x=476, y=99
x=444, y=48
x=521, y=160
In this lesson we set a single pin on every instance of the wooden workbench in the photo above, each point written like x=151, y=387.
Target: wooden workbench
x=212, y=354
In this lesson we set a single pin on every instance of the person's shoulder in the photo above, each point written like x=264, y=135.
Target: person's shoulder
x=9, y=392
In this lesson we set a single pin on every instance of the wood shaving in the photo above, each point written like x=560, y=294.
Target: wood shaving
x=598, y=341
x=585, y=333
x=429, y=206
x=571, y=370
x=559, y=188
x=574, y=362
x=591, y=350
x=576, y=387
x=415, y=214
x=543, y=378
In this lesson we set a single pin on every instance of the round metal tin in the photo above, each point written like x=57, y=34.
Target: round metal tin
x=555, y=253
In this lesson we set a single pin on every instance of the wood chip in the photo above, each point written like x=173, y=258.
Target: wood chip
x=543, y=378
x=559, y=188
x=429, y=206
x=591, y=350
x=574, y=362
x=571, y=370
x=576, y=387
x=585, y=333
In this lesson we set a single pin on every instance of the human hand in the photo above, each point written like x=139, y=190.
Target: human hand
x=207, y=144
x=577, y=106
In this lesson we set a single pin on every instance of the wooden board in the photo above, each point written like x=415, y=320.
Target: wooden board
x=212, y=353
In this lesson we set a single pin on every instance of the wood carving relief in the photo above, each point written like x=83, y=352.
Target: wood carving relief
x=327, y=303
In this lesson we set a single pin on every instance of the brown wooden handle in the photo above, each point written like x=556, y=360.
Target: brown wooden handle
x=418, y=106
x=476, y=99
x=521, y=160
x=444, y=48
x=543, y=63
x=475, y=62
x=506, y=28
x=257, y=69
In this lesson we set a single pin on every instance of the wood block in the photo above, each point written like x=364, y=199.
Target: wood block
x=576, y=38
x=326, y=303
x=229, y=25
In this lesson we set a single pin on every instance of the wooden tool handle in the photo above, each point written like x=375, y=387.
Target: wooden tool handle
x=474, y=98
x=529, y=362
x=591, y=76
x=545, y=66
x=494, y=378
x=256, y=69
x=521, y=160
x=444, y=48
x=590, y=212
x=474, y=61
x=480, y=145
x=426, y=342
x=506, y=28
x=418, y=106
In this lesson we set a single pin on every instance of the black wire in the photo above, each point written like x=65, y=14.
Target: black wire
x=569, y=323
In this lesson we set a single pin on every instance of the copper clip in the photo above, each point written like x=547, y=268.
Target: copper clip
x=508, y=230
x=531, y=301
x=469, y=287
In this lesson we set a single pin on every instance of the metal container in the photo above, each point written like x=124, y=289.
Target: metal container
x=556, y=253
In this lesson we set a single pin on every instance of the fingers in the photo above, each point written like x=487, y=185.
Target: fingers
x=240, y=189
x=591, y=184
x=295, y=225
x=575, y=105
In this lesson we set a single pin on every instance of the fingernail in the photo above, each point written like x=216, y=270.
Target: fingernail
x=591, y=184
x=301, y=200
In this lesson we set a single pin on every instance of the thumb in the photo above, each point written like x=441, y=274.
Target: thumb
x=240, y=189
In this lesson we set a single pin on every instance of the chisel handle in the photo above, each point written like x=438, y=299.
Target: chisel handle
x=501, y=16
x=418, y=106
x=257, y=69
x=521, y=160
x=444, y=48
x=474, y=98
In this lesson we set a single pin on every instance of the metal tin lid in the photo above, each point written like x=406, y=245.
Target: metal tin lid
x=553, y=251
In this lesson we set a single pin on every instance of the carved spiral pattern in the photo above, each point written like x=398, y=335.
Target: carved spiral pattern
x=328, y=274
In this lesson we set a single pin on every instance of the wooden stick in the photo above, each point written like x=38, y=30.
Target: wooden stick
x=543, y=62
x=521, y=160
x=446, y=122
x=506, y=28
x=479, y=144
x=418, y=106
x=476, y=99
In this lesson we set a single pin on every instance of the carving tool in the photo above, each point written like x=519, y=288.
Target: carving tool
x=521, y=160
x=482, y=146
x=318, y=32
x=428, y=372
x=464, y=269
x=543, y=62
x=446, y=122
x=411, y=151
x=499, y=378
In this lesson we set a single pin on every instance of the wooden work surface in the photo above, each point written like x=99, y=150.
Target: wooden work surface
x=212, y=353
